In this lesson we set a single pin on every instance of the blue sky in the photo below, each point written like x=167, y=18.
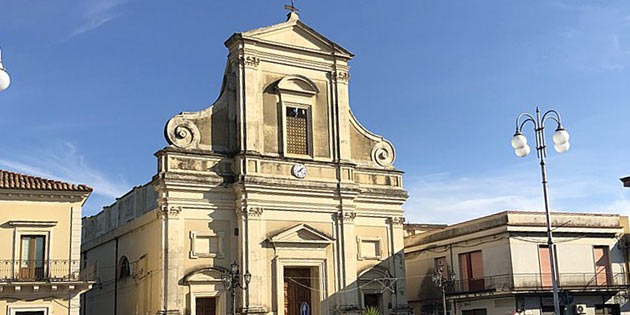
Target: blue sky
x=94, y=82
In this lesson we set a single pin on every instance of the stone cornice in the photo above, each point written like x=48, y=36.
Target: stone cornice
x=32, y=223
x=42, y=195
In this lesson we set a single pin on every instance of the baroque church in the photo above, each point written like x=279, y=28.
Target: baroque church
x=273, y=200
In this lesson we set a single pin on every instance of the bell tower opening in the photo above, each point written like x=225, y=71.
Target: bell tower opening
x=297, y=130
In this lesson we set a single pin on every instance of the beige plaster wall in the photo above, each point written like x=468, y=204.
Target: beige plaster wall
x=140, y=242
x=36, y=210
x=55, y=307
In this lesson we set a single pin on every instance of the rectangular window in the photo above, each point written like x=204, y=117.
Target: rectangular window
x=297, y=131
x=32, y=256
x=471, y=271
x=479, y=311
x=602, y=265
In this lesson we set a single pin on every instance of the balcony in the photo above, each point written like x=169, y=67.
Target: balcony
x=58, y=270
x=540, y=282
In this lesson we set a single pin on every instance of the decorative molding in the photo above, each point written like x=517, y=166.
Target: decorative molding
x=250, y=212
x=182, y=133
x=301, y=234
x=195, y=236
x=396, y=220
x=249, y=61
x=32, y=223
x=347, y=216
x=383, y=154
x=378, y=251
x=169, y=212
x=342, y=76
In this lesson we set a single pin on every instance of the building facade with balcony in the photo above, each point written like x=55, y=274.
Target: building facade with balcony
x=499, y=264
x=40, y=243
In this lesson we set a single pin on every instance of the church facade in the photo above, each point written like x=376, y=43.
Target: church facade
x=277, y=179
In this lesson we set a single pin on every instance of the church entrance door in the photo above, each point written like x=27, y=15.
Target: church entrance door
x=297, y=289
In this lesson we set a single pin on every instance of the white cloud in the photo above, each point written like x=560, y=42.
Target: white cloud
x=65, y=163
x=444, y=198
x=95, y=13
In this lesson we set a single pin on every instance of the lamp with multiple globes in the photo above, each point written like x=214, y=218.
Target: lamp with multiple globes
x=5, y=80
x=231, y=281
x=560, y=144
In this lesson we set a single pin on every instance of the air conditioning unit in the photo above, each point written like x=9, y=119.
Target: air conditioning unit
x=580, y=308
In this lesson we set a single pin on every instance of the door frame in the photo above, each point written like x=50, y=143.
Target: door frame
x=43, y=230
x=220, y=301
x=318, y=268
x=13, y=309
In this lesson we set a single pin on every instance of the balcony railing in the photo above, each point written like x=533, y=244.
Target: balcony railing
x=57, y=270
x=537, y=282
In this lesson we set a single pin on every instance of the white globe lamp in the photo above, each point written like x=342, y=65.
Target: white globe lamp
x=522, y=152
x=519, y=141
x=5, y=80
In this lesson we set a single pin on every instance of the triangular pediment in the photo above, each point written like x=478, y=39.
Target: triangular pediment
x=302, y=234
x=294, y=33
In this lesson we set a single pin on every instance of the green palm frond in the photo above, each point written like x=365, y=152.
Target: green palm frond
x=371, y=310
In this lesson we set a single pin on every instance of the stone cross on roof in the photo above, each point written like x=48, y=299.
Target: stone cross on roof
x=291, y=7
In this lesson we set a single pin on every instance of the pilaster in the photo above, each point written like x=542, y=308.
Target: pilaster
x=253, y=260
x=173, y=237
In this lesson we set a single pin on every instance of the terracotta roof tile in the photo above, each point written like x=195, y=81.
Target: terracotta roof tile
x=12, y=180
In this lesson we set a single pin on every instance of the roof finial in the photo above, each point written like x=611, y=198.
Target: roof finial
x=293, y=14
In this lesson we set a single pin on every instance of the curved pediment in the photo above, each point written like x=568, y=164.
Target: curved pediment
x=297, y=84
x=206, y=274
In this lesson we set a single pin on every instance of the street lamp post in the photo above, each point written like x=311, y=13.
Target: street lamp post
x=231, y=281
x=440, y=281
x=561, y=144
x=5, y=80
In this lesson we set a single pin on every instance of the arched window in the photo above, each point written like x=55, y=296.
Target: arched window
x=123, y=268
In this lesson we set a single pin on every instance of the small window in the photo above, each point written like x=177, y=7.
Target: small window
x=124, y=270
x=297, y=130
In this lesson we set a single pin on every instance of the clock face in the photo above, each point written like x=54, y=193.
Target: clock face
x=299, y=170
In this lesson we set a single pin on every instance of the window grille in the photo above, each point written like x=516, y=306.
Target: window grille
x=297, y=130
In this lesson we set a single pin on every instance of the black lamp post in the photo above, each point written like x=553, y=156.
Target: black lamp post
x=441, y=281
x=231, y=281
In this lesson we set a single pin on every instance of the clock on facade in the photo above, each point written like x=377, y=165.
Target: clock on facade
x=299, y=170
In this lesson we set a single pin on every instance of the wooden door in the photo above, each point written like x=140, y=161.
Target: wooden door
x=205, y=306
x=602, y=269
x=297, y=290
x=32, y=257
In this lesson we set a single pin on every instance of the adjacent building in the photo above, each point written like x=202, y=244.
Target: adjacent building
x=499, y=264
x=277, y=177
x=40, y=239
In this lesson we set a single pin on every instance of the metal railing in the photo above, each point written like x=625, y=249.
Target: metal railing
x=54, y=270
x=537, y=281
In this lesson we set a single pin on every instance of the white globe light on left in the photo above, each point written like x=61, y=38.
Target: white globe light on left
x=518, y=141
x=5, y=80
